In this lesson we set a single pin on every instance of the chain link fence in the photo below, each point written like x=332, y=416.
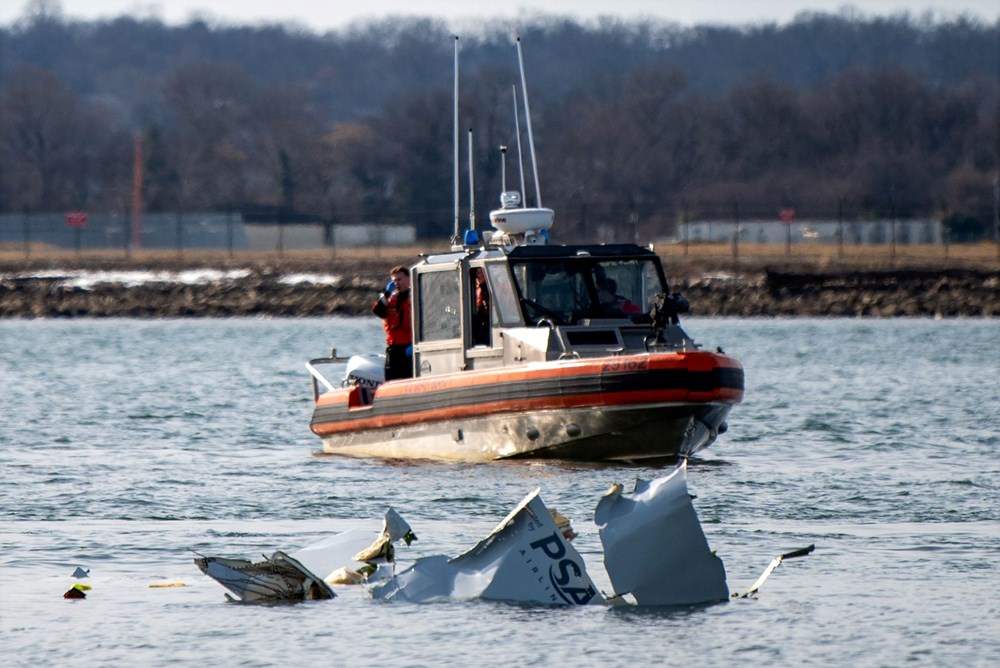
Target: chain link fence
x=40, y=232
x=81, y=231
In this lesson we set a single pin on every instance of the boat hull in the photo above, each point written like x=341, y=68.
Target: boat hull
x=628, y=408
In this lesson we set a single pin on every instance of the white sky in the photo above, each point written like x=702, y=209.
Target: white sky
x=320, y=15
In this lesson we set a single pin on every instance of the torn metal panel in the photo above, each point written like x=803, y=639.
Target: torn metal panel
x=351, y=549
x=654, y=547
x=526, y=559
x=794, y=554
x=278, y=578
x=326, y=556
x=396, y=528
x=307, y=573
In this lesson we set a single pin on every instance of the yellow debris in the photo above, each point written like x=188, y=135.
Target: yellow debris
x=164, y=585
x=345, y=576
x=563, y=524
x=382, y=547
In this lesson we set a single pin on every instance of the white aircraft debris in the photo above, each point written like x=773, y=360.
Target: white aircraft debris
x=794, y=554
x=655, y=553
x=526, y=559
x=293, y=577
x=654, y=548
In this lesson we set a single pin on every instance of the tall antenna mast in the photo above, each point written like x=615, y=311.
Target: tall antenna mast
x=520, y=159
x=455, y=139
x=503, y=168
x=472, y=188
x=527, y=115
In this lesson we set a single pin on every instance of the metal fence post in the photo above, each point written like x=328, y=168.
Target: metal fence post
x=736, y=229
x=26, y=234
x=281, y=235
x=180, y=237
x=840, y=228
x=229, y=231
x=687, y=226
x=892, y=224
x=996, y=212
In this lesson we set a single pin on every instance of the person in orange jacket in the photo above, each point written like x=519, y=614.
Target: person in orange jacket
x=393, y=306
x=481, y=309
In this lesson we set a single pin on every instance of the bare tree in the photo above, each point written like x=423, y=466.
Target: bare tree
x=50, y=134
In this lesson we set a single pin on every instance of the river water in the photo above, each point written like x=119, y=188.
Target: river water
x=126, y=444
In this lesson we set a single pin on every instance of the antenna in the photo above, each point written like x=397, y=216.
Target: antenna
x=472, y=188
x=455, y=138
x=517, y=131
x=527, y=115
x=503, y=168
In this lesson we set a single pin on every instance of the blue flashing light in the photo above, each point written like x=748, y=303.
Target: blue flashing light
x=471, y=238
x=544, y=234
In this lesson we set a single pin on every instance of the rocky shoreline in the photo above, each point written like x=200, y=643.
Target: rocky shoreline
x=349, y=289
x=885, y=293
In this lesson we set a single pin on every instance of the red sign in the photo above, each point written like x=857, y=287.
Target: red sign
x=76, y=219
x=787, y=215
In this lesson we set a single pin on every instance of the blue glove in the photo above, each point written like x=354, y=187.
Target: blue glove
x=390, y=287
x=409, y=351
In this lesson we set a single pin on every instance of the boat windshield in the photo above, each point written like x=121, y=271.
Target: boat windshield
x=563, y=291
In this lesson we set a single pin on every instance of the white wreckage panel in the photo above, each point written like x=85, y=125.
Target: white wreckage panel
x=354, y=547
x=654, y=551
x=654, y=547
x=526, y=559
x=308, y=573
x=279, y=578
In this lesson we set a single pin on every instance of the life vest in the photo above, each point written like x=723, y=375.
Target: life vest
x=395, y=314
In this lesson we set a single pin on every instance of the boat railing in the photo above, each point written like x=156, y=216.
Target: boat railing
x=317, y=376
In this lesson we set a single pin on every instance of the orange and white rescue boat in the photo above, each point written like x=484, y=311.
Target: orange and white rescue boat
x=559, y=373
x=525, y=349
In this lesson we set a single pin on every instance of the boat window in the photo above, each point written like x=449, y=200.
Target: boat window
x=564, y=291
x=504, y=295
x=440, y=306
x=627, y=287
x=553, y=290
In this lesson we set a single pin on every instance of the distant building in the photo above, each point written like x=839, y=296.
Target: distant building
x=373, y=235
x=267, y=235
x=862, y=232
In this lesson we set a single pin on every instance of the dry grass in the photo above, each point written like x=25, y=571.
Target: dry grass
x=375, y=259
x=831, y=257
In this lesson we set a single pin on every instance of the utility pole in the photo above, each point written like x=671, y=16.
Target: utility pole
x=996, y=212
x=840, y=228
x=736, y=229
x=137, y=193
x=892, y=229
x=687, y=225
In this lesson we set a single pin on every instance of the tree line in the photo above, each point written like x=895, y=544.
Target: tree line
x=638, y=125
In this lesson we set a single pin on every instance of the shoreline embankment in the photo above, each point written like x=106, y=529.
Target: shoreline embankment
x=299, y=287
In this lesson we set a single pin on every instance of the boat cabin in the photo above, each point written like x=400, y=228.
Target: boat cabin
x=501, y=306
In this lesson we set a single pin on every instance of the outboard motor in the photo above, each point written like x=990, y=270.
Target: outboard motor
x=366, y=371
